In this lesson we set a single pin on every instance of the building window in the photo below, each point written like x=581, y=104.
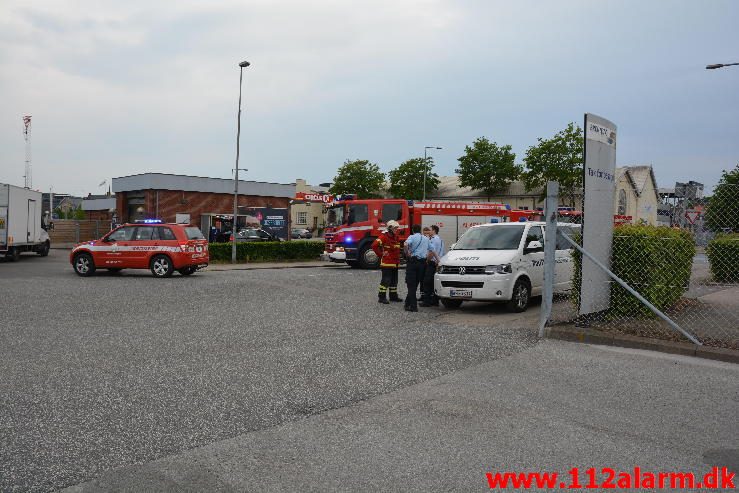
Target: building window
x=622, y=202
x=302, y=217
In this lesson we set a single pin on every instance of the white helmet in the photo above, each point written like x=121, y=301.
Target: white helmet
x=393, y=224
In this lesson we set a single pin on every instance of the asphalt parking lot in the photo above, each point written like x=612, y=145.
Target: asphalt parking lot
x=114, y=370
x=298, y=379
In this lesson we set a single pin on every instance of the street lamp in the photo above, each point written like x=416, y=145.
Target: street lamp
x=242, y=66
x=426, y=168
x=719, y=65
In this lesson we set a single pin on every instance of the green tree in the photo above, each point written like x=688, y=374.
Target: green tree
x=722, y=213
x=488, y=167
x=557, y=159
x=78, y=213
x=406, y=181
x=359, y=177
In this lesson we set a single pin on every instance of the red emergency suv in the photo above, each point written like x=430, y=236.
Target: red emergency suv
x=162, y=248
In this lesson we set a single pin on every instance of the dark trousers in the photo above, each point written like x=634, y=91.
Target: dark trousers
x=413, y=276
x=389, y=281
x=428, y=284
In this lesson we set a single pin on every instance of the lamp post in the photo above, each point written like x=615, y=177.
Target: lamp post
x=242, y=66
x=719, y=65
x=426, y=168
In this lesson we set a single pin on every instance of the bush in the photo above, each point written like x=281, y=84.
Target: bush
x=655, y=261
x=268, y=251
x=723, y=257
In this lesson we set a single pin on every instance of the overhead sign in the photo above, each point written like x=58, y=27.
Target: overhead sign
x=599, y=186
x=314, y=197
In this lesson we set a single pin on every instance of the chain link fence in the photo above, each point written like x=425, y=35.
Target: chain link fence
x=686, y=264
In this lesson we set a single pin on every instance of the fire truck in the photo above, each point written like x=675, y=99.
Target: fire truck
x=353, y=224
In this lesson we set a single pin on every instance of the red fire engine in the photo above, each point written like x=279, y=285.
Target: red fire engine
x=353, y=224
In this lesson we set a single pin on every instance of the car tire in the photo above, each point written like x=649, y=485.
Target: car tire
x=450, y=303
x=83, y=264
x=186, y=271
x=368, y=259
x=13, y=255
x=521, y=296
x=44, y=250
x=161, y=266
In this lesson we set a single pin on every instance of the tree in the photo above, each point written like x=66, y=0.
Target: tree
x=406, y=181
x=488, y=167
x=359, y=177
x=722, y=213
x=557, y=159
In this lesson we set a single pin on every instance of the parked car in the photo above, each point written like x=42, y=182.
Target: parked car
x=501, y=262
x=162, y=248
x=298, y=233
x=254, y=234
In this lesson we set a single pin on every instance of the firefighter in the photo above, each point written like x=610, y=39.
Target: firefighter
x=387, y=247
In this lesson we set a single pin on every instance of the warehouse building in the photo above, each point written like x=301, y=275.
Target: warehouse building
x=204, y=202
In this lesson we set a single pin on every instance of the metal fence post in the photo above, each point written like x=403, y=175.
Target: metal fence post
x=550, y=242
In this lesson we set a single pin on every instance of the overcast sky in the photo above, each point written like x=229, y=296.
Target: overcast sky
x=118, y=88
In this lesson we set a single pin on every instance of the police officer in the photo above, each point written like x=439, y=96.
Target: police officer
x=387, y=247
x=436, y=251
x=416, y=250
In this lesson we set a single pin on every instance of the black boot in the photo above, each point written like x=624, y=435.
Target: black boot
x=381, y=298
x=394, y=297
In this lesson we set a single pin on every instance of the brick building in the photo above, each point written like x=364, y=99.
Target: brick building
x=201, y=201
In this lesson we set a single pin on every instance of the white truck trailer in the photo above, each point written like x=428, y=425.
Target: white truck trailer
x=22, y=228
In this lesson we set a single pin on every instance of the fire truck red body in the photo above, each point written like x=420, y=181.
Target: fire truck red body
x=353, y=224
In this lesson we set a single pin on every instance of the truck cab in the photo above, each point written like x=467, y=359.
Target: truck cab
x=352, y=225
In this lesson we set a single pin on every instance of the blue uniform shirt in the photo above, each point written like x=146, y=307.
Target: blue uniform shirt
x=418, y=245
x=436, y=245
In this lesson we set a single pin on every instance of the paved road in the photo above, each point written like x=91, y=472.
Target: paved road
x=296, y=379
x=114, y=370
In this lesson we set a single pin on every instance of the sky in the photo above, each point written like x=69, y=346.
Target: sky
x=120, y=88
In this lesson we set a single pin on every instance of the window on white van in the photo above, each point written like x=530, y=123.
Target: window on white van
x=491, y=238
x=535, y=234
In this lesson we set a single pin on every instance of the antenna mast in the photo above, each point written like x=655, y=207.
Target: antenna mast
x=27, y=137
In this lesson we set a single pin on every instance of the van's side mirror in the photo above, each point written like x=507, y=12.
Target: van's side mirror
x=533, y=246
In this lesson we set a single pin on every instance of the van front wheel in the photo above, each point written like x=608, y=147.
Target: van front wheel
x=521, y=295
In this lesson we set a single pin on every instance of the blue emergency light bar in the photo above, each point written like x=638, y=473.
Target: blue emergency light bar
x=149, y=221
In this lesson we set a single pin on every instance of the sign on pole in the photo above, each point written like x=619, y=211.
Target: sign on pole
x=599, y=186
x=692, y=216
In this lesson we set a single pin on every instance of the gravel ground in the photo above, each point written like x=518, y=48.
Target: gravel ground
x=117, y=370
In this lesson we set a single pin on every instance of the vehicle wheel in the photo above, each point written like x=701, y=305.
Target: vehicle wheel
x=13, y=255
x=161, y=266
x=84, y=265
x=450, y=303
x=368, y=259
x=44, y=250
x=186, y=271
x=353, y=264
x=521, y=295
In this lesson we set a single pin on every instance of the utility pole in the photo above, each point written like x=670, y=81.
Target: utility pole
x=27, y=137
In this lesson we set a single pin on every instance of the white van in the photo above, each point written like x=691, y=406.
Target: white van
x=501, y=262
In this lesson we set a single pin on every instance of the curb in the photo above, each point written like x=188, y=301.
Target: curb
x=271, y=267
x=592, y=336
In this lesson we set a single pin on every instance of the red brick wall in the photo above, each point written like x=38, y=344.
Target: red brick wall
x=172, y=202
x=98, y=215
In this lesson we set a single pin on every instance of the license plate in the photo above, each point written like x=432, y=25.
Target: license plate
x=460, y=293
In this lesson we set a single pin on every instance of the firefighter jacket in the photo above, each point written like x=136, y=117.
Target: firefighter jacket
x=387, y=247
